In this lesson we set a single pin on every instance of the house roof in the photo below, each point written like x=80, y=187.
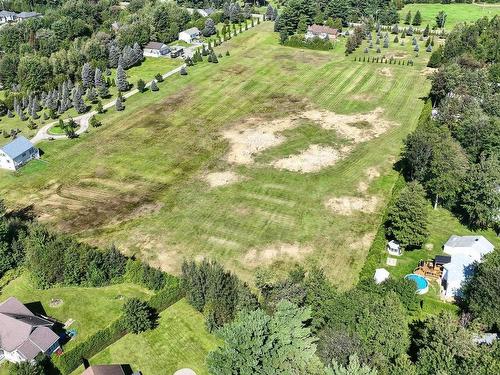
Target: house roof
x=320, y=29
x=155, y=45
x=28, y=14
x=17, y=147
x=192, y=31
x=475, y=246
x=21, y=329
x=208, y=11
x=442, y=259
x=104, y=370
x=6, y=13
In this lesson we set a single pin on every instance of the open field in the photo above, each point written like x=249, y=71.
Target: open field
x=91, y=308
x=456, y=13
x=146, y=71
x=180, y=340
x=307, y=139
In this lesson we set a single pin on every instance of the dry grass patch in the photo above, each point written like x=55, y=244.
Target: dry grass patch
x=349, y=205
x=386, y=72
x=428, y=71
x=216, y=179
x=280, y=251
x=313, y=159
x=371, y=174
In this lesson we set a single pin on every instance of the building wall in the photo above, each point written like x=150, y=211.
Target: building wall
x=7, y=163
x=13, y=357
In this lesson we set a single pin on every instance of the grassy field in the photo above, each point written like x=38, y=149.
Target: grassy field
x=180, y=340
x=139, y=180
x=146, y=71
x=456, y=13
x=91, y=308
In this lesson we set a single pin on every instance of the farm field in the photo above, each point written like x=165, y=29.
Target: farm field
x=180, y=341
x=456, y=13
x=91, y=309
x=307, y=138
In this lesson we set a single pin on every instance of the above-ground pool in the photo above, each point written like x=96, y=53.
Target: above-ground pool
x=420, y=281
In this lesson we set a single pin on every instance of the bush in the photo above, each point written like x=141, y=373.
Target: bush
x=298, y=41
x=137, y=316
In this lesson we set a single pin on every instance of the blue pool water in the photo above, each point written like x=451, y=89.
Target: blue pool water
x=420, y=281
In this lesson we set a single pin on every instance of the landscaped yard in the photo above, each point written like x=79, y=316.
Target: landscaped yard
x=456, y=13
x=91, y=308
x=140, y=180
x=180, y=340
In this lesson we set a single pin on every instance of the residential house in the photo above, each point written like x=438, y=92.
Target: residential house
x=464, y=251
x=156, y=49
x=24, y=335
x=26, y=15
x=205, y=12
x=17, y=153
x=189, y=35
x=6, y=16
x=321, y=32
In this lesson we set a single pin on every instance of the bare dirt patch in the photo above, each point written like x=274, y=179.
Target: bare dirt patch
x=280, y=251
x=386, y=72
x=397, y=55
x=315, y=158
x=216, y=179
x=348, y=205
x=428, y=71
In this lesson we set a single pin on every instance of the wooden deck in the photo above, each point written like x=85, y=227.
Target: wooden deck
x=427, y=269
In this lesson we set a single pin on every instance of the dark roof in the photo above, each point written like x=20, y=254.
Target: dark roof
x=155, y=45
x=320, y=29
x=442, y=259
x=28, y=350
x=104, y=370
x=17, y=147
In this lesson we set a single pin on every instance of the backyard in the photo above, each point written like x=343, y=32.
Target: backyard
x=158, y=185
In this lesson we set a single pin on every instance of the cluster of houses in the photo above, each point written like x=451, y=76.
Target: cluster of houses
x=450, y=270
x=8, y=16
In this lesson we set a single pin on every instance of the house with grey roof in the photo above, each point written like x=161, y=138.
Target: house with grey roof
x=24, y=335
x=17, y=153
x=156, y=49
x=7, y=16
x=26, y=15
x=205, y=12
x=189, y=35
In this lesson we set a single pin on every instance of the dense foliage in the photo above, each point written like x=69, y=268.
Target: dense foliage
x=137, y=316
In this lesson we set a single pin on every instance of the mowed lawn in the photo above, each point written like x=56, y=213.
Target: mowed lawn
x=456, y=13
x=91, y=308
x=179, y=341
x=138, y=181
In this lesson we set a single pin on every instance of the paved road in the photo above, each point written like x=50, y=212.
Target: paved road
x=83, y=120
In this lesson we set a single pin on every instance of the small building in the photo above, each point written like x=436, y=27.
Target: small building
x=381, y=274
x=24, y=335
x=156, y=49
x=17, y=153
x=6, y=16
x=176, y=51
x=205, y=12
x=105, y=370
x=189, y=35
x=464, y=252
x=321, y=32
x=26, y=15
x=394, y=248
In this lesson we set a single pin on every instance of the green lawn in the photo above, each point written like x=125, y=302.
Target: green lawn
x=91, y=308
x=456, y=13
x=138, y=180
x=180, y=340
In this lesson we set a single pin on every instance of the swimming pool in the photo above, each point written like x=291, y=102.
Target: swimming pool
x=420, y=281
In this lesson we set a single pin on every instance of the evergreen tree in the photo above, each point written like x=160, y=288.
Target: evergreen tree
x=154, y=86
x=91, y=95
x=114, y=56
x=87, y=75
x=441, y=19
x=137, y=316
x=99, y=108
x=183, y=71
x=209, y=28
x=103, y=91
x=417, y=20
x=94, y=122
x=408, y=18
x=78, y=102
x=426, y=31
x=159, y=77
x=98, y=81
x=141, y=85
x=138, y=53
x=121, y=79
x=119, y=104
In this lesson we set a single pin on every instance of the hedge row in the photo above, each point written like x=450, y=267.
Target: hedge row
x=100, y=340
x=377, y=252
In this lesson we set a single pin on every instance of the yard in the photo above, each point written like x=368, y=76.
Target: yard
x=91, y=308
x=143, y=179
x=456, y=13
x=180, y=340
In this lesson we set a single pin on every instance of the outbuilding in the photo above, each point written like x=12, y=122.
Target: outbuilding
x=394, y=248
x=381, y=274
x=17, y=153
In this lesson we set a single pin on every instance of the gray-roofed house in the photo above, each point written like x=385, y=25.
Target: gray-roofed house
x=156, y=49
x=26, y=15
x=7, y=16
x=189, y=35
x=17, y=153
x=205, y=12
x=24, y=335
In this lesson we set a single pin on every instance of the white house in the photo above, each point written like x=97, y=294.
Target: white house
x=24, y=335
x=156, y=49
x=394, y=248
x=464, y=251
x=321, y=32
x=17, y=153
x=189, y=35
x=381, y=274
x=205, y=12
x=6, y=16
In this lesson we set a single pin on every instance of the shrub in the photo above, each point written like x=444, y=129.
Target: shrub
x=141, y=85
x=137, y=316
x=298, y=41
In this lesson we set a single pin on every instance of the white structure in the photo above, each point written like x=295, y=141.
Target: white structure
x=6, y=16
x=464, y=251
x=156, y=49
x=321, y=32
x=205, y=12
x=17, y=153
x=24, y=335
x=381, y=274
x=393, y=248
x=189, y=35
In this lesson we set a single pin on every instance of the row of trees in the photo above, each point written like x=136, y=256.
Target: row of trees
x=455, y=154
